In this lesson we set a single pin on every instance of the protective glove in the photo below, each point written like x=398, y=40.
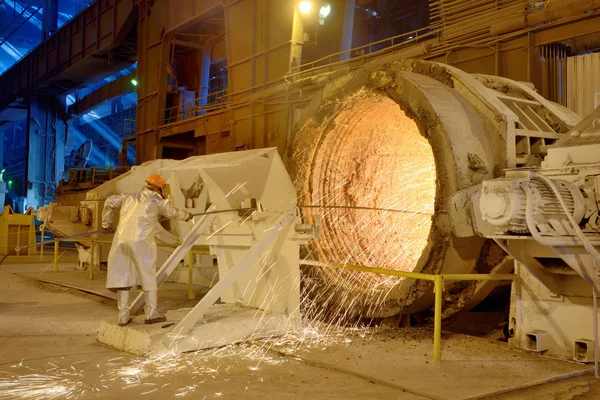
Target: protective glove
x=188, y=217
x=109, y=230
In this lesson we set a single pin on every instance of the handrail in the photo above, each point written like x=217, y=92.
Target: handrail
x=438, y=288
x=92, y=175
x=193, y=108
x=409, y=38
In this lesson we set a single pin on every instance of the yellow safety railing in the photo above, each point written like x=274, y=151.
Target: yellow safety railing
x=93, y=243
x=438, y=289
x=437, y=279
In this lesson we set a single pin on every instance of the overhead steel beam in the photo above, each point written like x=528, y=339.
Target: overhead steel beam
x=187, y=43
x=111, y=90
x=77, y=52
x=567, y=31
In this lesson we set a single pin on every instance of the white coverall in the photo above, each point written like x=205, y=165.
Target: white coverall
x=132, y=256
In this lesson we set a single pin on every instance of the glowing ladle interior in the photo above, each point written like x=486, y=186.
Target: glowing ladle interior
x=373, y=156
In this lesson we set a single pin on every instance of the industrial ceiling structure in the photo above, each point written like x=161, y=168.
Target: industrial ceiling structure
x=21, y=28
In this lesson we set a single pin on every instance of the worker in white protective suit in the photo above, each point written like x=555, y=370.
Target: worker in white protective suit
x=132, y=256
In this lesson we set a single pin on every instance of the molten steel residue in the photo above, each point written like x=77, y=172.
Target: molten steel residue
x=372, y=155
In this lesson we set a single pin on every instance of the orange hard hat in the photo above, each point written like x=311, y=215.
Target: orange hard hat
x=155, y=180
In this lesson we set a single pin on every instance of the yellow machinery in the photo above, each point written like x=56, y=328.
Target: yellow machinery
x=16, y=230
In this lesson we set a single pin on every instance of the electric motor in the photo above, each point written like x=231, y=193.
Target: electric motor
x=503, y=205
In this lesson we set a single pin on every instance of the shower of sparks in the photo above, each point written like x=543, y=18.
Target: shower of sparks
x=153, y=375
x=375, y=238
x=61, y=383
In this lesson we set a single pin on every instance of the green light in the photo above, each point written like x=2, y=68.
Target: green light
x=325, y=11
x=9, y=183
x=134, y=82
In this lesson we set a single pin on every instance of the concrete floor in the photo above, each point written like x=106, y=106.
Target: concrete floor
x=48, y=349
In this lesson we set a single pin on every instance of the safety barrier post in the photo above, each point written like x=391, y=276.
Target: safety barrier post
x=56, y=256
x=42, y=246
x=438, y=289
x=190, y=260
x=92, y=251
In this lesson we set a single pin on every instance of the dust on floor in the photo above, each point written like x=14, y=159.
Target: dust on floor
x=48, y=350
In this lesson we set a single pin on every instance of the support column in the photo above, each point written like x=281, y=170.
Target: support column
x=3, y=190
x=49, y=18
x=348, y=28
x=45, y=148
x=205, y=68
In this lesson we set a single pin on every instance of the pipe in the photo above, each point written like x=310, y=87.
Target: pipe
x=508, y=25
x=556, y=10
x=561, y=9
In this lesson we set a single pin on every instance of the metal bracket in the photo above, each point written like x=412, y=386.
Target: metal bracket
x=516, y=248
x=184, y=326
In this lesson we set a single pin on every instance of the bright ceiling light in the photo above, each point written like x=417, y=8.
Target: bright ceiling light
x=325, y=10
x=134, y=82
x=305, y=7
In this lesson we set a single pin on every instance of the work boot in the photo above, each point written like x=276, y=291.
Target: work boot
x=151, y=308
x=123, y=304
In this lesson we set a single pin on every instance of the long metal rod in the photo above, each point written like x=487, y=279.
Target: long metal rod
x=223, y=211
x=363, y=208
x=316, y=206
